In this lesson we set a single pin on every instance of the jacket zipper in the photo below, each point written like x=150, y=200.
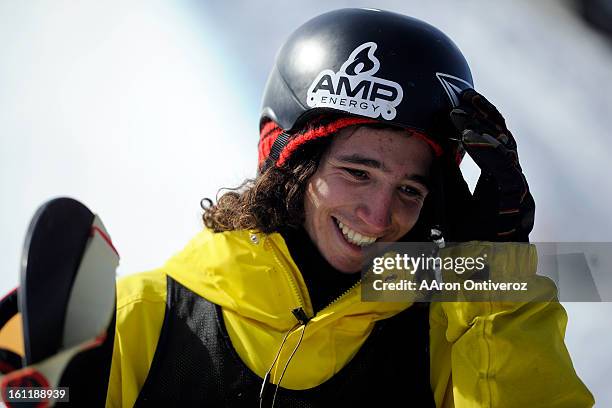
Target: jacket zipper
x=294, y=284
x=285, y=269
x=342, y=294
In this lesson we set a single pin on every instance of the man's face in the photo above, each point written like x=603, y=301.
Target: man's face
x=370, y=186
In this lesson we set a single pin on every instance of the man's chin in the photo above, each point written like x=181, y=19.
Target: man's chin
x=345, y=267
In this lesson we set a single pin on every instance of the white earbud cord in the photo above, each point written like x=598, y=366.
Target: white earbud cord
x=287, y=364
x=267, y=376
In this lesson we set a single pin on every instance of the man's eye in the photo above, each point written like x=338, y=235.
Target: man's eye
x=358, y=174
x=411, y=191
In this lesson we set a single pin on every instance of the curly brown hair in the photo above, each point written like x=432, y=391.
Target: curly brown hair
x=271, y=202
x=274, y=200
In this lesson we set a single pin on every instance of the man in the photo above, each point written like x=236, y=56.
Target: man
x=365, y=118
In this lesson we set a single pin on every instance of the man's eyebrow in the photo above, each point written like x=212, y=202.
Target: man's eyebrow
x=424, y=180
x=366, y=161
x=373, y=163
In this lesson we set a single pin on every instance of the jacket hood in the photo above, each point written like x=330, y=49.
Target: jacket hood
x=254, y=279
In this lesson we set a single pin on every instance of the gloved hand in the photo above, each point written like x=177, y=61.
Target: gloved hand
x=501, y=208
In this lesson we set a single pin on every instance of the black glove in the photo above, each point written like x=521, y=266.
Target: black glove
x=501, y=208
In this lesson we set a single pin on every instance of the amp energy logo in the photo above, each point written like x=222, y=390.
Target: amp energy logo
x=355, y=89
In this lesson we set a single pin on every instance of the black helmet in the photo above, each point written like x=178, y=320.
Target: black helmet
x=364, y=63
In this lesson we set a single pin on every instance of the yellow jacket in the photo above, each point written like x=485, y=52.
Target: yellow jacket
x=482, y=354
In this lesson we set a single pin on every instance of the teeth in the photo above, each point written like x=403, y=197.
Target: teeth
x=354, y=237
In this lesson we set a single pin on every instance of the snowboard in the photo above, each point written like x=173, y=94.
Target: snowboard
x=63, y=296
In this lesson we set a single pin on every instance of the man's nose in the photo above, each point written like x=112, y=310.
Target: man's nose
x=376, y=212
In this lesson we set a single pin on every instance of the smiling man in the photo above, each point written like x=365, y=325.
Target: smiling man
x=264, y=306
x=368, y=187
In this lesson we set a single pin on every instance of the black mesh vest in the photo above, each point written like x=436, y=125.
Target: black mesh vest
x=195, y=364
